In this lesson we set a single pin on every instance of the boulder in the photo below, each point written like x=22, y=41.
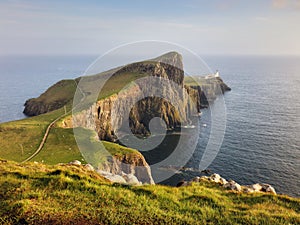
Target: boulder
x=89, y=167
x=271, y=190
x=196, y=179
x=75, y=162
x=183, y=184
x=131, y=179
x=247, y=189
x=116, y=179
x=232, y=185
x=223, y=181
x=215, y=177
x=268, y=188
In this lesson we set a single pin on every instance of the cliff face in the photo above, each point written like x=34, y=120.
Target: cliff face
x=157, y=90
x=159, y=94
x=129, y=164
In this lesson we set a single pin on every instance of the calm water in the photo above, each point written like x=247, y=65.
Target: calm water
x=24, y=77
x=262, y=139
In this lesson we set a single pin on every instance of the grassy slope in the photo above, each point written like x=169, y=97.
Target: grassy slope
x=19, y=139
x=62, y=90
x=40, y=194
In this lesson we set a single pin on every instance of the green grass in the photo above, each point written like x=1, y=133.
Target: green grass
x=39, y=194
x=19, y=139
x=62, y=90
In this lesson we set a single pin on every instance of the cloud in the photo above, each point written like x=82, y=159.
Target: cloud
x=262, y=19
x=286, y=4
x=280, y=4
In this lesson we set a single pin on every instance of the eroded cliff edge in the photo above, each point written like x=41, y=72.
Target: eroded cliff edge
x=106, y=114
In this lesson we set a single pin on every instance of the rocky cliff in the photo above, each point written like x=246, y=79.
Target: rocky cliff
x=133, y=96
x=134, y=164
x=54, y=98
x=159, y=94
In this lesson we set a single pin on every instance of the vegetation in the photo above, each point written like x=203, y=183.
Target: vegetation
x=44, y=191
x=67, y=194
x=20, y=139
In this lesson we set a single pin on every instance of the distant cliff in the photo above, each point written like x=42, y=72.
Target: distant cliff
x=57, y=96
x=99, y=117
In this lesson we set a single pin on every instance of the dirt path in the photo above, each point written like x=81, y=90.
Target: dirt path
x=43, y=141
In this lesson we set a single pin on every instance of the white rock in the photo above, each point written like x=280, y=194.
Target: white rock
x=256, y=187
x=75, y=162
x=131, y=179
x=248, y=189
x=103, y=173
x=89, y=167
x=223, y=181
x=271, y=190
x=268, y=188
x=116, y=178
x=232, y=185
x=215, y=177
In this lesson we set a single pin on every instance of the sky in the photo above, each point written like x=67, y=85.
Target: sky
x=257, y=27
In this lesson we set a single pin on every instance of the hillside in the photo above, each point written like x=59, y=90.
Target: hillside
x=34, y=193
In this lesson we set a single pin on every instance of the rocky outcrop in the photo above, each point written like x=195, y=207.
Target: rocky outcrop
x=144, y=100
x=154, y=96
x=231, y=184
x=54, y=98
x=129, y=169
x=134, y=164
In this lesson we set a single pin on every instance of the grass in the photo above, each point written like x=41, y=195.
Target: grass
x=39, y=194
x=62, y=90
x=20, y=139
x=62, y=93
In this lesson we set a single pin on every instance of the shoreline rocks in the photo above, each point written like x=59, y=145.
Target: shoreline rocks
x=231, y=184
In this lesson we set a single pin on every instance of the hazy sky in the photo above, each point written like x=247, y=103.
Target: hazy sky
x=205, y=26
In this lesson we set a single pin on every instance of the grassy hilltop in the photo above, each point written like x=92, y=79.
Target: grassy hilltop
x=39, y=194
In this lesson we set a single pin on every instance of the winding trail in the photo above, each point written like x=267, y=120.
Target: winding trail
x=43, y=141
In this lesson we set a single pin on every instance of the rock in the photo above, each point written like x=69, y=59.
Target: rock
x=259, y=188
x=116, y=178
x=196, y=179
x=223, y=181
x=215, y=177
x=103, y=173
x=131, y=179
x=75, y=162
x=133, y=163
x=207, y=171
x=89, y=167
x=271, y=190
x=112, y=177
x=256, y=187
x=247, y=189
x=268, y=188
x=232, y=185
x=183, y=184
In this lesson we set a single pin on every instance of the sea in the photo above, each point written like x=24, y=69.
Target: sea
x=262, y=137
